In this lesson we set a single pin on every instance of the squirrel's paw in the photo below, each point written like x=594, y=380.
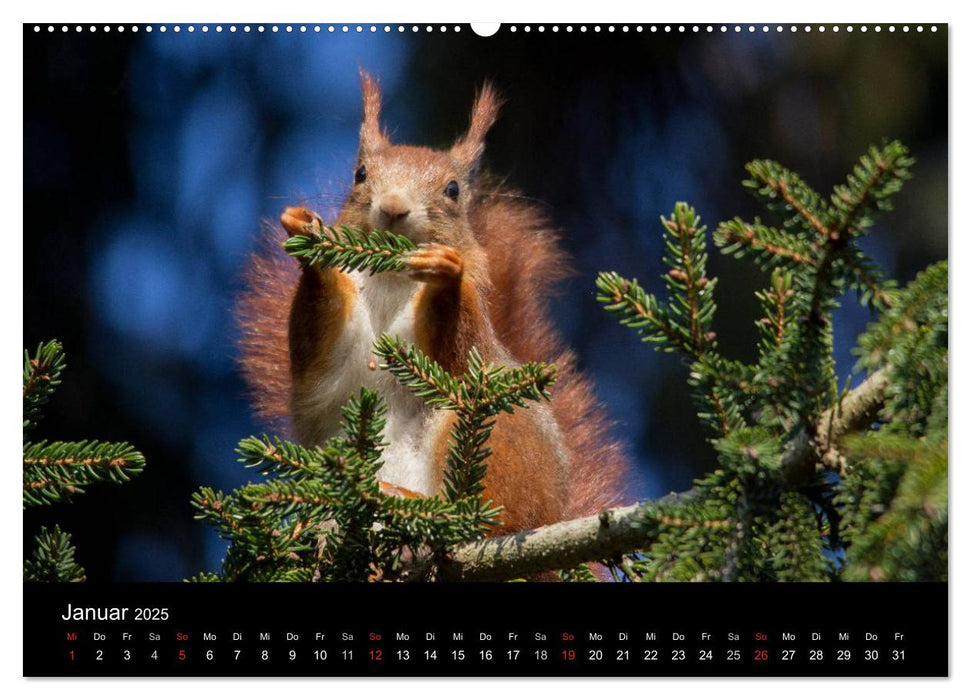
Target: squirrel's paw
x=389, y=489
x=298, y=220
x=435, y=263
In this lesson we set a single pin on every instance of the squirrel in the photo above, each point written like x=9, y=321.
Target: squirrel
x=482, y=273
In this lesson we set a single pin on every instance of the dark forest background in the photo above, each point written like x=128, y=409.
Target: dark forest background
x=150, y=160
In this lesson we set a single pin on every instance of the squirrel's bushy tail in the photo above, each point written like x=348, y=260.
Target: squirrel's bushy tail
x=262, y=315
x=525, y=262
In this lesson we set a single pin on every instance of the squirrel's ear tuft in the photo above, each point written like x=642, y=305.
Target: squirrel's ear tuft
x=371, y=134
x=468, y=149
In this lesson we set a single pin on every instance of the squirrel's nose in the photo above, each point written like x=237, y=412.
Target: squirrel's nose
x=393, y=207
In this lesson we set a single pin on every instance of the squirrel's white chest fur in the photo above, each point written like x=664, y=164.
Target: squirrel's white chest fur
x=383, y=304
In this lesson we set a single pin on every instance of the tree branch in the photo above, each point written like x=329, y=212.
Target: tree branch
x=616, y=532
x=559, y=546
x=854, y=412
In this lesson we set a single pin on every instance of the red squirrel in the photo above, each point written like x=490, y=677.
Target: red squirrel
x=481, y=277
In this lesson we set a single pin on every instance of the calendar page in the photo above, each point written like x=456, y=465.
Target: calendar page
x=610, y=349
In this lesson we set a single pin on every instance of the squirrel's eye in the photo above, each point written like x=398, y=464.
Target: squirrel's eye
x=452, y=190
x=361, y=175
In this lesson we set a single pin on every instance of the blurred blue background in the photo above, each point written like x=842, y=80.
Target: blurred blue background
x=151, y=159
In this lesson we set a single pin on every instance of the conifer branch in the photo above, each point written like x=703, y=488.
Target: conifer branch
x=691, y=290
x=418, y=373
x=785, y=192
x=348, y=248
x=312, y=498
x=804, y=211
x=53, y=559
x=324, y=516
x=276, y=457
x=768, y=245
x=42, y=374
x=880, y=174
x=775, y=301
x=579, y=574
x=481, y=393
x=800, y=365
x=564, y=545
x=617, y=532
x=721, y=412
x=215, y=506
x=867, y=284
x=516, y=386
x=637, y=309
x=53, y=472
x=682, y=323
x=363, y=423
x=857, y=410
x=610, y=534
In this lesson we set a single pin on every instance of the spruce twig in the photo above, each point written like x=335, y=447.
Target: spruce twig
x=683, y=323
x=42, y=374
x=349, y=248
x=53, y=560
x=482, y=393
x=55, y=471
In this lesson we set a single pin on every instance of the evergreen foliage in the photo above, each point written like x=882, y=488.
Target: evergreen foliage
x=42, y=374
x=53, y=560
x=755, y=517
x=578, y=574
x=895, y=494
x=910, y=340
x=348, y=248
x=324, y=516
x=56, y=471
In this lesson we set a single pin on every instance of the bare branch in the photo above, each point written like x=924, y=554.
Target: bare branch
x=560, y=546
